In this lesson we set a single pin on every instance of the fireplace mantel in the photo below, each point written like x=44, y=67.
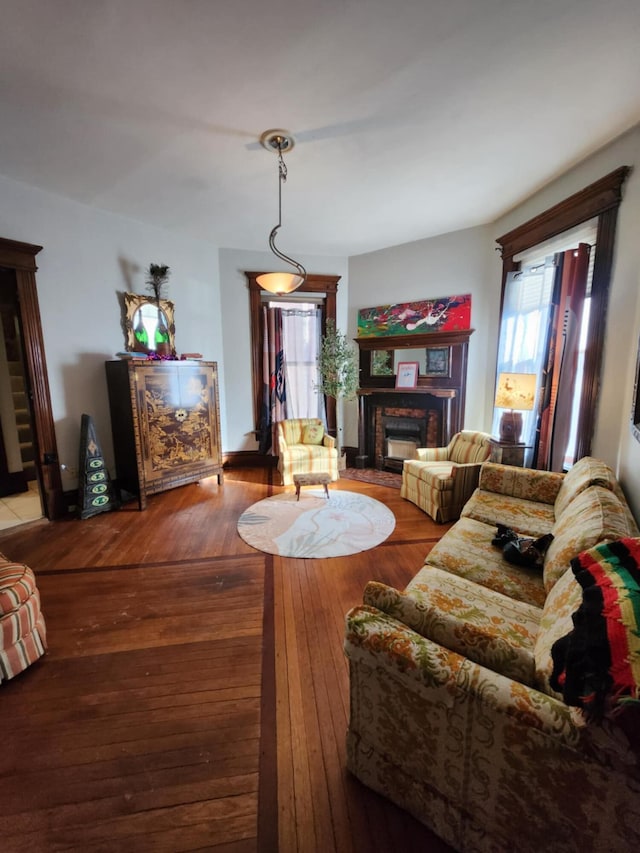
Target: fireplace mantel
x=438, y=399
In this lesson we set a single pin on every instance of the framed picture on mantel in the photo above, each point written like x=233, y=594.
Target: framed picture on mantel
x=437, y=361
x=407, y=375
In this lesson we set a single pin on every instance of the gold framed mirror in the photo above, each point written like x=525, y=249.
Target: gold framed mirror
x=149, y=326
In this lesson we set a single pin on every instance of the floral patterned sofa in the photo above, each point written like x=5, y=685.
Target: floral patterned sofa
x=457, y=713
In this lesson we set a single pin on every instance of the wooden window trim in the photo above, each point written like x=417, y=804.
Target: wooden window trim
x=600, y=199
x=327, y=284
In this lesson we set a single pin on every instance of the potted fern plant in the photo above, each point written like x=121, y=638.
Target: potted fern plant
x=157, y=277
x=338, y=369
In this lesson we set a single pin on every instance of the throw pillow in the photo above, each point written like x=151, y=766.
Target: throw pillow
x=596, y=666
x=312, y=434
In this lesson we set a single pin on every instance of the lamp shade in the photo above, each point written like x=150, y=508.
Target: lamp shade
x=280, y=282
x=516, y=391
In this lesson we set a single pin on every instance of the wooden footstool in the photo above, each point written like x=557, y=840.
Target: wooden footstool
x=319, y=479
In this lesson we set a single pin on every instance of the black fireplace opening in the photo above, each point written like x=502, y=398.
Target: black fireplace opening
x=401, y=438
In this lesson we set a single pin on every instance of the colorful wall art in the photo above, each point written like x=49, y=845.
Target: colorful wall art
x=446, y=314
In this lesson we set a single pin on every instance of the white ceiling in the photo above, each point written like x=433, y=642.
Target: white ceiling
x=412, y=117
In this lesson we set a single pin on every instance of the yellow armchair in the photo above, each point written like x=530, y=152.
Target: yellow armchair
x=440, y=480
x=297, y=457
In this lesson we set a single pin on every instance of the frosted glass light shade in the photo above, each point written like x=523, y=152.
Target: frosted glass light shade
x=280, y=282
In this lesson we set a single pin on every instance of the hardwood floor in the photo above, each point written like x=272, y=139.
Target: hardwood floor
x=195, y=692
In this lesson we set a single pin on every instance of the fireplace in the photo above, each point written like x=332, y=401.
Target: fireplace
x=393, y=424
x=393, y=421
x=400, y=438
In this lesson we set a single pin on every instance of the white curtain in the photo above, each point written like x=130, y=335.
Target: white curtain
x=301, y=334
x=524, y=333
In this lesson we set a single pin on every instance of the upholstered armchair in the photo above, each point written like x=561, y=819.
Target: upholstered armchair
x=440, y=480
x=305, y=448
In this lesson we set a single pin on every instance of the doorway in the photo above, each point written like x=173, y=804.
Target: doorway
x=20, y=498
x=29, y=470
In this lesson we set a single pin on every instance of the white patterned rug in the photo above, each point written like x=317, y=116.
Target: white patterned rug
x=316, y=527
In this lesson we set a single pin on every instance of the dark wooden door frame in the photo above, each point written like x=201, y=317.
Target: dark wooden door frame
x=20, y=257
x=314, y=283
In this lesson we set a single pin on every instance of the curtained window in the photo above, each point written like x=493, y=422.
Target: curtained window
x=540, y=333
x=523, y=342
x=291, y=342
x=301, y=334
x=324, y=289
x=568, y=437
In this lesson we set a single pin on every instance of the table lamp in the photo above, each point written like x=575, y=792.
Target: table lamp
x=516, y=392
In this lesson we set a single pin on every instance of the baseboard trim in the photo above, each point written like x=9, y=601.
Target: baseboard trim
x=248, y=459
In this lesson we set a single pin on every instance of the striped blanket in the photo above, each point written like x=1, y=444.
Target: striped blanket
x=597, y=664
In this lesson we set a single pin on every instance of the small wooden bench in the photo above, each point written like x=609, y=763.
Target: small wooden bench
x=319, y=479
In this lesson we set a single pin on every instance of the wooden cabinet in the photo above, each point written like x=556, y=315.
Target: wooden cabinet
x=508, y=453
x=165, y=422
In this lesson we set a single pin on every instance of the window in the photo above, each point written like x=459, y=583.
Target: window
x=325, y=286
x=301, y=334
x=522, y=346
x=599, y=200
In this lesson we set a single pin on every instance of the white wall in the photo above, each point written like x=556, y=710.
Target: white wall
x=236, y=331
x=89, y=256
x=450, y=264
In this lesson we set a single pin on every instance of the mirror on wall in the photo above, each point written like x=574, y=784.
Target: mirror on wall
x=149, y=325
x=432, y=361
x=440, y=357
x=409, y=355
x=382, y=362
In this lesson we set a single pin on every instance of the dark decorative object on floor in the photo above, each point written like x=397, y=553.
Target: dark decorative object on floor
x=96, y=492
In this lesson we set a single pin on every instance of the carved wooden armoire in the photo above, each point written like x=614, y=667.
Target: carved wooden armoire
x=165, y=421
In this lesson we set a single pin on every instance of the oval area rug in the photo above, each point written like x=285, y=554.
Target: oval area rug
x=344, y=524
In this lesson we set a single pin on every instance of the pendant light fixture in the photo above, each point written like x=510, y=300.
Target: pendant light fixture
x=279, y=283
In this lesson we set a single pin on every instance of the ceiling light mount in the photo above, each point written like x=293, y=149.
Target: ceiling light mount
x=280, y=141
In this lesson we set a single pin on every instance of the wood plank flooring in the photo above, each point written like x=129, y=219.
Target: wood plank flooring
x=195, y=692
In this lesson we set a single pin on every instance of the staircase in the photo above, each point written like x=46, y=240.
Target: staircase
x=23, y=419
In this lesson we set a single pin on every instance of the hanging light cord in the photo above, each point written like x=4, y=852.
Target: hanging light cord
x=282, y=177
